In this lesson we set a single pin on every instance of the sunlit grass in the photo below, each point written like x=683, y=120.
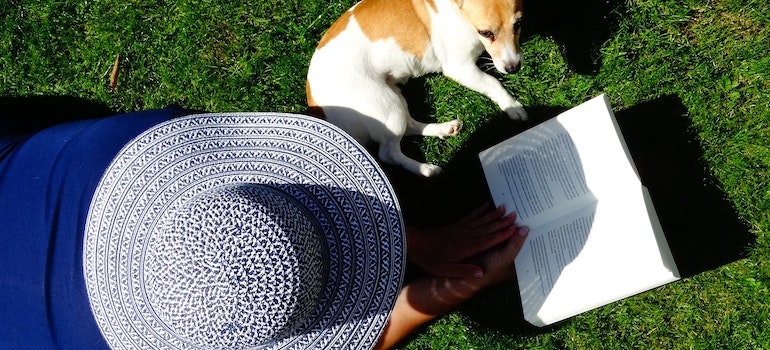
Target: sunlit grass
x=252, y=56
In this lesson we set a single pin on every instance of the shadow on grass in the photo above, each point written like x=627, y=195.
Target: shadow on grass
x=28, y=114
x=702, y=227
x=578, y=27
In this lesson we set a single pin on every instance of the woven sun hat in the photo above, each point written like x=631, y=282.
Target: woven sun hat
x=243, y=231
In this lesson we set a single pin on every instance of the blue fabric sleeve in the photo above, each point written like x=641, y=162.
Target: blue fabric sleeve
x=46, y=184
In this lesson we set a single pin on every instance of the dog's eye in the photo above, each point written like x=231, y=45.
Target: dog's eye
x=517, y=25
x=487, y=34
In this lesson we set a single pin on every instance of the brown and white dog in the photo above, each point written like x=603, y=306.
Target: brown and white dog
x=377, y=44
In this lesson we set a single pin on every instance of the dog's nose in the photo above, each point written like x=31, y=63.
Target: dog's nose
x=512, y=68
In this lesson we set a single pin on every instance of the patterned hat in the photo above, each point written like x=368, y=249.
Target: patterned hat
x=243, y=231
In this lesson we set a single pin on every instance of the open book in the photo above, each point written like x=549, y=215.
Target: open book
x=594, y=234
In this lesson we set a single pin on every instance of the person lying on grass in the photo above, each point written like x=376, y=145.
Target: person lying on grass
x=164, y=229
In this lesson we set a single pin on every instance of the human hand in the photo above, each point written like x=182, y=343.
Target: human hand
x=433, y=295
x=443, y=251
x=430, y=296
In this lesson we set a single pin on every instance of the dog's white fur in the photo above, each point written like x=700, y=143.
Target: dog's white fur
x=377, y=44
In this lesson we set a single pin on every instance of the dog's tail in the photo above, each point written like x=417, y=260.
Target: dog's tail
x=313, y=109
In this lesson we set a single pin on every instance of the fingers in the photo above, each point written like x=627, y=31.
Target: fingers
x=498, y=263
x=500, y=223
x=494, y=260
x=491, y=215
x=511, y=250
x=476, y=213
x=491, y=221
x=500, y=232
x=483, y=229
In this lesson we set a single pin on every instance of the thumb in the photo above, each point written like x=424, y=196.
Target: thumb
x=515, y=243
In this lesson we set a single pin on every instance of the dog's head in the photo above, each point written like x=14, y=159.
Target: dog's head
x=498, y=23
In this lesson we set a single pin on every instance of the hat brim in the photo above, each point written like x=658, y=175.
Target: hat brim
x=318, y=164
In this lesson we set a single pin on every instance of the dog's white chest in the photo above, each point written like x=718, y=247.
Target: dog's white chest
x=386, y=57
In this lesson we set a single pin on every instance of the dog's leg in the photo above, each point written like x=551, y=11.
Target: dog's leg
x=440, y=130
x=473, y=78
x=397, y=120
x=414, y=127
x=390, y=152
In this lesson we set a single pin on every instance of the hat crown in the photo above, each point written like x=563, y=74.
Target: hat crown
x=238, y=266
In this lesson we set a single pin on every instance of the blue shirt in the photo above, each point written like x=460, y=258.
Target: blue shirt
x=46, y=184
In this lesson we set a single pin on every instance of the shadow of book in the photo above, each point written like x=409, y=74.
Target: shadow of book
x=702, y=227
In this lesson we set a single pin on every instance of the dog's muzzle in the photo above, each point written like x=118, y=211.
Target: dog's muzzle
x=512, y=68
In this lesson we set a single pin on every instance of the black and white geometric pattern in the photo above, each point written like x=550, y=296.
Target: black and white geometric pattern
x=243, y=231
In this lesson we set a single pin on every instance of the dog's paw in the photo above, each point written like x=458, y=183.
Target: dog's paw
x=449, y=128
x=430, y=170
x=516, y=112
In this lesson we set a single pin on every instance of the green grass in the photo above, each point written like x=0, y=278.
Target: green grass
x=220, y=55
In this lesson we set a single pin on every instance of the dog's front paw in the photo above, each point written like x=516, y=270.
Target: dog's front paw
x=516, y=112
x=449, y=128
x=429, y=170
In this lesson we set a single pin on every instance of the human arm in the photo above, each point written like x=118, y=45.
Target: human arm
x=429, y=297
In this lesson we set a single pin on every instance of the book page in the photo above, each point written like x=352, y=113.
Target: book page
x=549, y=252
x=538, y=174
x=594, y=256
x=594, y=236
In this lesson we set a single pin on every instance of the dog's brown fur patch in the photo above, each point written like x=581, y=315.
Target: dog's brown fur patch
x=337, y=27
x=379, y=20
x=312, y=107
x=406, y=21
x=498, y=17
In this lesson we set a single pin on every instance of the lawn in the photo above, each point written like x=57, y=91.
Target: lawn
x=698, y=71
